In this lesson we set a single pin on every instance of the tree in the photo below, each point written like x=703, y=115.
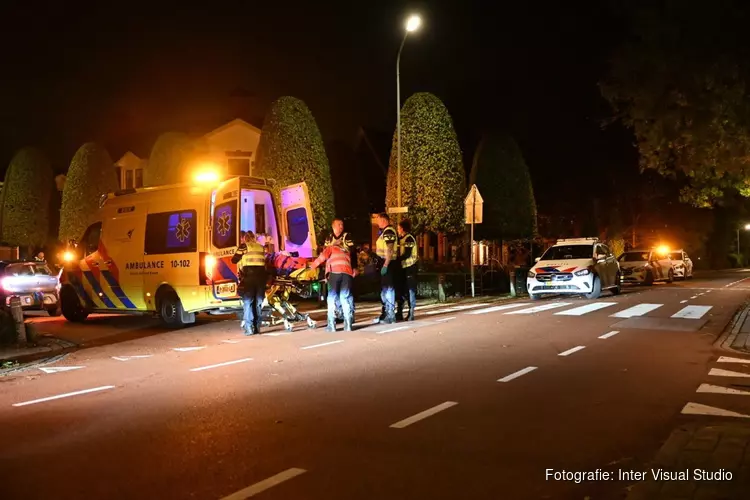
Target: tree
x=500, y=172
x=433, y=182
x=25, y=202
x=291, y=150
x=170, y=158
x=681, y=84
x=91, y=174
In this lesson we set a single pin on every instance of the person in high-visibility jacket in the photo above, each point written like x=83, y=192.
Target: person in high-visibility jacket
x=251, y=266
x=407, y=257
x=386, y=250
x=338, y=233
x=340, y=274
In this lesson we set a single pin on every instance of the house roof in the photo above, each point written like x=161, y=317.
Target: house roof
x=236, y=121
x=128, y=157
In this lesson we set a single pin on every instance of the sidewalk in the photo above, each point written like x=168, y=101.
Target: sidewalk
x=710, y=447
x=739, y=336
x=44, y=347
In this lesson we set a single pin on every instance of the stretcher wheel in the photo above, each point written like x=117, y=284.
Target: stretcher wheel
x=311, y=323
x=288, y=326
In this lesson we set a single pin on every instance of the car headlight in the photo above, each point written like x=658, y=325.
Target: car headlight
x=531, y=274
x=583, y=272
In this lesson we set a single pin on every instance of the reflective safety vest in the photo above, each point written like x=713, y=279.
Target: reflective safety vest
x=387, y=236
x=254, y=256
x=408, y=241
x=337, y=260
x=345, y=241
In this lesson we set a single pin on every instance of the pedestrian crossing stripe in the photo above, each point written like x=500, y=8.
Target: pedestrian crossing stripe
x=545, y=307
x=638, y=310
x=717, y=389
x=692, y=312
x=580, y=311
x=499, y=308
x=699, y=409
x=718, y=372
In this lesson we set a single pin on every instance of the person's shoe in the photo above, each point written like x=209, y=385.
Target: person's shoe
x=242, y=324
x=410, y=317
x=378, y=320
x=389, y=320
x=348, y=325
x=331, y=326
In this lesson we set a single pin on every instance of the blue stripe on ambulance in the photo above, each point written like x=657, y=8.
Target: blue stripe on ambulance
x=98, y=289
x=80, y=290
x=117, y=290
x=225, y=272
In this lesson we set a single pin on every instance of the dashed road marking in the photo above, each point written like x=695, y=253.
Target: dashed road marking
x=398, y=328
x=699, y=409
x=571, y=351
x=692, y=312
x=423, y=415
x=498, y=308
x=517, y=374
x=694, y=297
x=262, y=486
x=456, y=308
x=66, y=395
x=227, y=363
x=718, y=372
x=683, y=301
x=545, y=307
x=638, y=310
x=188, y=349
x=608, y=335
x=128, y=358
x=230, y=341
x=322, y=345
x=441, y=320
x=717, y=389
x=56, y=369
x=580, y=311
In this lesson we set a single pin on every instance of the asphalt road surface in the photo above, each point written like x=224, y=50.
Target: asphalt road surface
x=475, y=402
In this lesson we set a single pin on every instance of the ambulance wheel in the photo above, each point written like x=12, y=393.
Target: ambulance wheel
x=71, y=307
x=171, y=311
x=53, y=311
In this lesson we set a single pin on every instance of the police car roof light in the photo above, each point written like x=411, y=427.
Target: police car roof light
x=577, y=240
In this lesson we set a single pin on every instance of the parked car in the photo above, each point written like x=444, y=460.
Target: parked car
x=682, y=264
x=645, y=267
x=575, y=266
x=32, y=282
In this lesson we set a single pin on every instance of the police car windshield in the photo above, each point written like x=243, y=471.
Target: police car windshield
x=634, y=257
x=675, y=256
x=569, y=252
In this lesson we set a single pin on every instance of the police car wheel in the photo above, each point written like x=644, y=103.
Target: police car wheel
x=53, y=311
x=618, y=288
x=596, y=289
x=535, y=296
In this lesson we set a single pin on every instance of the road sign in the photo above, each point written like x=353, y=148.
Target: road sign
x=473, y=206
x=398, y=210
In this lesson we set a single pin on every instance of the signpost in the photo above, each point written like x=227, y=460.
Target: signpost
x=398, y=210
x=473, y=208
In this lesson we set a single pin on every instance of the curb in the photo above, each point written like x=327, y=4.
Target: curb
x=56, y=348
x=727, y=339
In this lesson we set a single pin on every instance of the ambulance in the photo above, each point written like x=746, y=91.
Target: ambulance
x=167, y=250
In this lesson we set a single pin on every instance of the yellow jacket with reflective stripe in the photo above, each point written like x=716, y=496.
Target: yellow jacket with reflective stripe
x=408, y=241
x=387, y=237
x=254, y=256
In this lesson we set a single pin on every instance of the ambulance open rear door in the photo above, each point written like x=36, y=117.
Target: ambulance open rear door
x=298, y=232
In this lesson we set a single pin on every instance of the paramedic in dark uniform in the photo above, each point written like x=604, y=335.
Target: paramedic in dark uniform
x=407, y=257
x=251, y=260
x=386, y=250
x=338, y=233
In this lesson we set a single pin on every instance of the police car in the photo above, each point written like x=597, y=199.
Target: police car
x=575, y=266
x=646, y=266
x=682, y=264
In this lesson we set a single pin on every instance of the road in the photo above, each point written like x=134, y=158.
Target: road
x=510, y=389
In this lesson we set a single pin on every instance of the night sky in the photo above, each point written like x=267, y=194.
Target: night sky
x=122, y=74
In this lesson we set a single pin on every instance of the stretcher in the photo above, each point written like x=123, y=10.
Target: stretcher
x=291, y=276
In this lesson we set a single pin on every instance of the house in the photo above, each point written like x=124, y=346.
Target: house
x=233, y=147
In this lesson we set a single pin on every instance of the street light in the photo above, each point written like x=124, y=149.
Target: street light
x=412, y=24
x=747, y=228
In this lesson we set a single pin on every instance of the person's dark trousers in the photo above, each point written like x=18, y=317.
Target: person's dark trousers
x=400, y=286
x=388, y=292
x=409, y=292
x=252, y=301
x=340, y=292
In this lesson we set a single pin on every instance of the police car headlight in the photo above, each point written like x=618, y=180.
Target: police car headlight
x=583, y=272
x=531, y=274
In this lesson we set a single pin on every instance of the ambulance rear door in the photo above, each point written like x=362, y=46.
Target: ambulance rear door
x=225, y=215
x=298, y=232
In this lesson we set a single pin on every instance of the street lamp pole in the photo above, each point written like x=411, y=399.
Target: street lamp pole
x=412, y=24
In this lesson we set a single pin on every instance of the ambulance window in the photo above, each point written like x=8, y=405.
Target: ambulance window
x=90, y=240
x=296, y=222
x=170, y=232
x=225, y=225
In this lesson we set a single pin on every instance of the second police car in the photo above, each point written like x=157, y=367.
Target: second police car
x=646, y=266
x=581, y=266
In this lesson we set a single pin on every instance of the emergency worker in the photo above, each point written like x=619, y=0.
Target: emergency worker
x=251, y=268
x=40, y=258
x=340, y=273
x=337, y=233
x=386, y=251
x=407, y=257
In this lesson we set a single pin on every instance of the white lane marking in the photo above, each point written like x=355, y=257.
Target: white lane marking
x=517, y=374
x=571, y=351
x=498, y=308
x=272, y=481
x=456, y=308
x=227, y=363
x=718, y=372
x=709, y=291
x=692, y=312
x=188, y=349
x=230, y=341
x=638, y=310
x=128, y=358
x=694, y=297
x=66, y=395
x=699, y=409
x=393, y=329
x=441, y=320
x=727, y=359
x=738, y=281
x=545, y=307
x=56, y=369
x=323, y=344
x=717, y=389
x=580, y=311
x=423, y=415
x=610, y=334
x=277, y=334
x=683, y=301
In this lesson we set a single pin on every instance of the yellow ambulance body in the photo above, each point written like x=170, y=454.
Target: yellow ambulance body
x=167, y=250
